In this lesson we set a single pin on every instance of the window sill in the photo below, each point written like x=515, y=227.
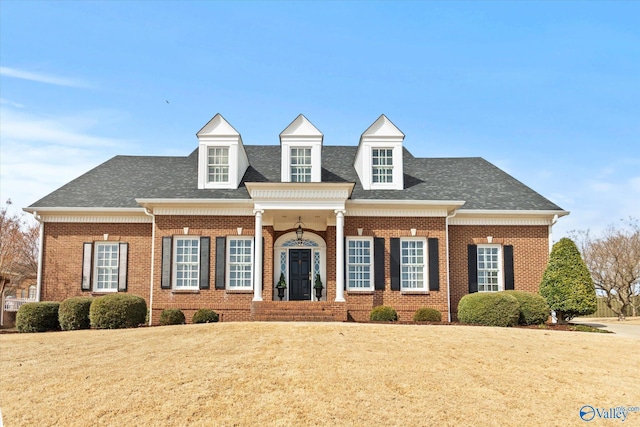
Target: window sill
x=185, y=291
x=414, y=292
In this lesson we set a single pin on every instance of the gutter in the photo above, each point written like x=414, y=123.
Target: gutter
x=153, y=252
x=446, y=225
x=40, y=254
x=553, y=222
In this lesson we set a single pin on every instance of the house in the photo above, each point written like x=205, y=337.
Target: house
x=375, y=224
x=18, y=288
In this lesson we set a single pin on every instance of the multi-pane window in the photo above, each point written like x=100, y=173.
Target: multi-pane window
x=359, y=264
x=382, y=164
x=301, y=165
x=240, y=263
x=218, y=164
x=488, y=268
x=412, y=264
x=106, y=267
x=32, y=292
x=187, y=262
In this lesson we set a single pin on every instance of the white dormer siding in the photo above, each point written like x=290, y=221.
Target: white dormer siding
x=378, y=160
x=222, y=160
x=301, y=148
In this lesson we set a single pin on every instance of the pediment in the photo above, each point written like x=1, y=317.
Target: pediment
x=383, y=127
x=218, y=126
x=301, y=126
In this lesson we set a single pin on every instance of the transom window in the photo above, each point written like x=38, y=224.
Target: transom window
x=412, y=264
x=382, y=163
x=488, y=268
x=240, y=262
x=359, y=264
x=301, y=165
x=218, y=164
x=106, y=267
x=187, y=265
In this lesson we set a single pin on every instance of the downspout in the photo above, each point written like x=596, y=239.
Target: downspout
x=153, y=252
x=446, y=225
x=553, y=222
x=40, y=254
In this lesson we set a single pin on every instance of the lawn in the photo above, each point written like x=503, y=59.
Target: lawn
x=283, y=374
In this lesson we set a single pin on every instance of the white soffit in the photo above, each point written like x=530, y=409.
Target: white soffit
x=505, y=217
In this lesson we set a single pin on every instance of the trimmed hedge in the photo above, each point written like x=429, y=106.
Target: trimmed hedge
x=489, y=309
x=205, y=315
x=172, y=316
x=38, y=317
x=426, y=314
x=117, y=311
x=73, y=313
x=383, y=313
x=534, y=310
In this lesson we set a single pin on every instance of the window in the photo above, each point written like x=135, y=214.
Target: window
x=218, y=164
x=412, y=265
x=187, y=263
x=359, y=264
x=240, y=263
x=382, y=165
x=301, y=165
x=32, y=292
x=489, y=268
x=106, y=267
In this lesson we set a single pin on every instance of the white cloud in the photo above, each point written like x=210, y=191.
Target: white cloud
x=39, y=155
x=10, y=103
x=42, y=78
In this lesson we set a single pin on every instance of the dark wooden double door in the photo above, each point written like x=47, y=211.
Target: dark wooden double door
x=299, y=274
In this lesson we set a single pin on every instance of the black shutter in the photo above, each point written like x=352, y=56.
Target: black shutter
x=434, y=265
x=378, y=263
x=473, y=268
x=87, y=266
x=345, y=251
x=395, y=264
x=508, y=267
x=205, y=252
x=123, y=257
x=221, y=259
x=167, y=249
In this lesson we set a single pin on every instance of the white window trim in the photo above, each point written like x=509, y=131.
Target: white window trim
x=94, y=285
x=500, y=266
x=174, y=275
x=385, y=183
x=305, y=166
x=425, y=261
x=371, y=265
x=249, y=287
x=227, y=165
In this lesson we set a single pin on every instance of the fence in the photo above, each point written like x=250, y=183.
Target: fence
x=603, y=311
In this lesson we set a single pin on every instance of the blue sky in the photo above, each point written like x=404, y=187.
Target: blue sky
x=548, y=91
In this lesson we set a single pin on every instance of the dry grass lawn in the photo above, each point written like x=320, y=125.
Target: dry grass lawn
x=344, y=374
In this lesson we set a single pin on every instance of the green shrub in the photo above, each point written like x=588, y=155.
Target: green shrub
x=534, y=310
x=205, y=315
x=73, y=313
x=489, y=308
x=117, y=311
x=172, y=316
x=383, y=313
x=426, y=314
x=38, y=317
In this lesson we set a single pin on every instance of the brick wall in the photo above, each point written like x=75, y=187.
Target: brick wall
x=530, y=255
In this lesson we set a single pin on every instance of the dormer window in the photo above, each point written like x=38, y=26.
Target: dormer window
x=382, y=165
x=222, y=160
x=301, y=148
x=218, y=164
x=301, y=165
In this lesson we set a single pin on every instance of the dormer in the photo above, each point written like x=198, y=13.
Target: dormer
x=379, y=156
x=301, y=148
x=222, y=160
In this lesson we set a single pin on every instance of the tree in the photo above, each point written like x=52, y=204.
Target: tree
x=566, y=283
x=18, y=248
x=613, y=259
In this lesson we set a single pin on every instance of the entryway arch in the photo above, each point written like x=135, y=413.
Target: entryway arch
x=310, y=255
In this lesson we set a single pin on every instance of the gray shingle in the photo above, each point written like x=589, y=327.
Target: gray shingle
x=122, y=179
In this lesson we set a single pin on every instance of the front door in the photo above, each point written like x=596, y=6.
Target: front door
x=299, y=274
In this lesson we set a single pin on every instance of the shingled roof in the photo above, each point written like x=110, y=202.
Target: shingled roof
x=119, y=181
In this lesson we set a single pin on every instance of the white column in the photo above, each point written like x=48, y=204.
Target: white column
x=257, y=257
x=339, y=256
